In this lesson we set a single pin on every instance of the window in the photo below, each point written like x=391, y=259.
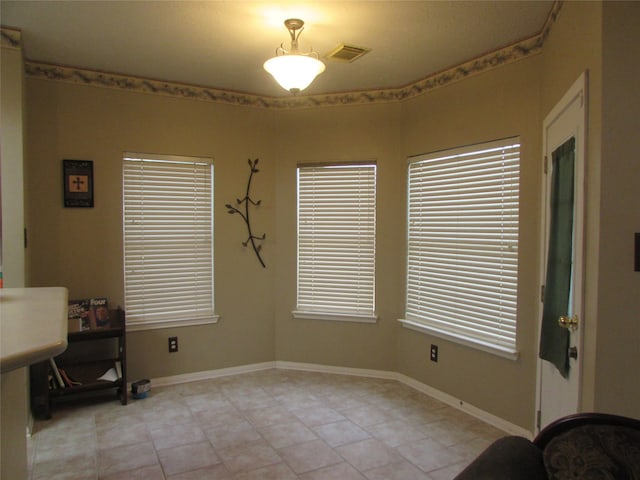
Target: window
x=168, y=240
x=336, y=242
x=462, y=266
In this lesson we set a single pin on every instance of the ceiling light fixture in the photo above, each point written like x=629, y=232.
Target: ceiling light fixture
x=294, y=71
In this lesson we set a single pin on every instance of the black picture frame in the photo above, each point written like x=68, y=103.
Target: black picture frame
x=77, y=176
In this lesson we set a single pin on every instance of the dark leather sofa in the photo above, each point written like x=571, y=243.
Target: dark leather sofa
x=585, y=446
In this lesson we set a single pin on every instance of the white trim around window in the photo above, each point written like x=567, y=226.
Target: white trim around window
x=336, y=242
x=168, y=241
x=462, y=256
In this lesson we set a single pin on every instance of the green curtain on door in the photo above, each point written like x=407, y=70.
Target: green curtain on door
x=554, y=340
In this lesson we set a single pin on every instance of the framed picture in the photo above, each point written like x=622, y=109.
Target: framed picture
x=78, y=183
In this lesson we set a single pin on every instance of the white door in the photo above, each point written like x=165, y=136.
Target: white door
x=559, y=395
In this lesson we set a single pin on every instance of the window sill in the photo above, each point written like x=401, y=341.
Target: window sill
x=336, y=317
x=459, y=339
x=187, y=322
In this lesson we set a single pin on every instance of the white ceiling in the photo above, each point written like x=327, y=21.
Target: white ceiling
x=223, y=44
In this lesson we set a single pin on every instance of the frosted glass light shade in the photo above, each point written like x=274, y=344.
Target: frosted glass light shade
x=294, y=72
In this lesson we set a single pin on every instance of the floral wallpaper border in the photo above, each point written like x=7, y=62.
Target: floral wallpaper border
x=10, y=38
x=504, y=56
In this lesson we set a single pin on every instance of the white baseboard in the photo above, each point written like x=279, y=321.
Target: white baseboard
x=445, y=398
x=211, y=374
x=357, y=372
x=478, y=413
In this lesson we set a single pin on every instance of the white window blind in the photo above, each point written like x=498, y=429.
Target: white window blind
x=336, y=241
x=168, y=240
x=462, y=267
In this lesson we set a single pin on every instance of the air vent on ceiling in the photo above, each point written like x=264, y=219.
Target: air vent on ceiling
x=347, y=53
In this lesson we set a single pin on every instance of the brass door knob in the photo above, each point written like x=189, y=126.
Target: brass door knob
x=570, y=323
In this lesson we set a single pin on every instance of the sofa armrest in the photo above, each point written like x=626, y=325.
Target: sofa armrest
x=591, y=446
x=508, y=458
x=570, y=422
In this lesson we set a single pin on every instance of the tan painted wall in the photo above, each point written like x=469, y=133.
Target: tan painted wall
x=72, y=247
x=352, y=133
x=12, y=256
x=13, y=384
x=82, y=248
x=498, y=104
x=617, y=381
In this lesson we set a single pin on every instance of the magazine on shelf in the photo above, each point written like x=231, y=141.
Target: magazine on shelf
x=88, y=314
x=98, y=313
x=78, y=315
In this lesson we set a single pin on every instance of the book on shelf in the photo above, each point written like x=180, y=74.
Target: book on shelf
x=88, y=314
x=69, y=382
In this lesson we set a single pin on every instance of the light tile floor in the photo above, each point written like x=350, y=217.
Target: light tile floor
x=272, y=424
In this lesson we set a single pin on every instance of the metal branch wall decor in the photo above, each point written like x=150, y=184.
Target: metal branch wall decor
x=253, y=239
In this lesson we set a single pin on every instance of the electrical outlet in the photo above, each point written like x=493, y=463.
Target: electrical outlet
x=434, y=353
x=173, y=344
